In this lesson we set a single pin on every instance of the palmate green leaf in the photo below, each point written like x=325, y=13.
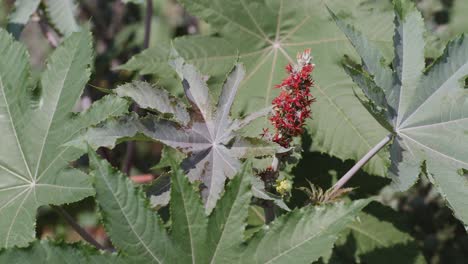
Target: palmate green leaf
x=429, y=110
x=34, y=124
x=47, y=252
x=266, y=35
x=210, y=138
x=378, y=234
x=303, y=235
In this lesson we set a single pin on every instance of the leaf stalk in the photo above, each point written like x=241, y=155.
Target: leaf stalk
x=80, y=230
x=127, y=163
x=361, y=163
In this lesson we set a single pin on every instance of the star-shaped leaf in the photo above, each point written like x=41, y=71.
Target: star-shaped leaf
x=208, y=135
x=266, y=35
x=426, y=108
x=34, y=123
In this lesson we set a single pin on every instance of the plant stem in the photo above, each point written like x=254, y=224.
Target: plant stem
x=148, y=18
x=45, y=29
x=129, y=153
x=269, y=209
x=269, y=206
x=85, y=235
x=360, y=163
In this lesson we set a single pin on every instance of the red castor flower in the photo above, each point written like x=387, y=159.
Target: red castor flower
x=292, y=106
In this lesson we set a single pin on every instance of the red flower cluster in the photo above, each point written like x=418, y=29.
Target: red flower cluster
x=292, y=107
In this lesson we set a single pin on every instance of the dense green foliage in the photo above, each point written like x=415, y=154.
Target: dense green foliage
x=186, y=119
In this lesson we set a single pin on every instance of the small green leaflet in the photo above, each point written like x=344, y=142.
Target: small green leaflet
x=34, y=123
x=60, y=13
x=23, y=11
x=426, y=108
x=301, y=236
x=266, y=35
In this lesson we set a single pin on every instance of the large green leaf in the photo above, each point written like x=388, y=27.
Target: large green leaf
x=131, y=224
x=47, y=252
x=266, y=35
x=34, y=123
x=302, y=236
x=427, y=108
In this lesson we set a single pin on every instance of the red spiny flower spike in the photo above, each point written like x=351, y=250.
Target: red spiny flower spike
x=292, y=106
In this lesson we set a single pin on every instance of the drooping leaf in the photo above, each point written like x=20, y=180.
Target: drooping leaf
x=303, y=235
x=429, y=109
x=210, y=139
x=34, y=124
x=266, y=35
x=47, y=252
x=62, y=15
x=258, y=191
x=159, y=190
x=149, y=97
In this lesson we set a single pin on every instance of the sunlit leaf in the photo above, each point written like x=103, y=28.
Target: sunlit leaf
x=428, y=108
x=34, y=123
